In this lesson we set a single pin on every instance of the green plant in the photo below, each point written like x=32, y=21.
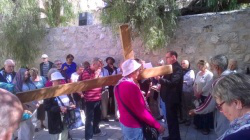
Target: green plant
x=21, y=29
x=58, y=12
x=154, y=20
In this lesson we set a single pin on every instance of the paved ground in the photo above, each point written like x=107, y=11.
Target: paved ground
x=114, y=133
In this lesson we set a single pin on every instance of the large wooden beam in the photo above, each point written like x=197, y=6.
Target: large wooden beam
x=126, y=42
x=45, y=93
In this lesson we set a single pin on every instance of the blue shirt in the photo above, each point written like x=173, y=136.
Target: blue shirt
x=70, y=69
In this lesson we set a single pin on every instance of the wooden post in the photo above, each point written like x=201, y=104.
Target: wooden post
x=126, y=42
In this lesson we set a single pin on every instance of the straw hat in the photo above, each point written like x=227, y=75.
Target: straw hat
x=129, y=66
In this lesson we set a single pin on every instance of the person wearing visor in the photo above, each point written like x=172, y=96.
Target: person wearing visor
x=129, y=96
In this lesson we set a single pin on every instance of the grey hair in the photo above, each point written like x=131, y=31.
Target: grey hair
x=52, y=70
x=57, y=61
x=233, y=87
x=221, y=61
x=9, y=61
x=96, y=59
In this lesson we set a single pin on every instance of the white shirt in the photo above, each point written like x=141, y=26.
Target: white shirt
x=189, y=81
x=64, y=99
x=202, y=83
x=74, y=77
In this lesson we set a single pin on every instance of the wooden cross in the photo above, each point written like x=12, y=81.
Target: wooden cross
x=54, y=91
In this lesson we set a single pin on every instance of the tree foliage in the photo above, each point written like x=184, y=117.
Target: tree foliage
x=21, y=30
x=204, y=6
x=154, y=20
x=58, y=12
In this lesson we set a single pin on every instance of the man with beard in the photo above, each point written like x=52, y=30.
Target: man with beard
x=218, y=67
x=111, y=102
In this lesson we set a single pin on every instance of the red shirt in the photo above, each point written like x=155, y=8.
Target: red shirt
x=92, y=94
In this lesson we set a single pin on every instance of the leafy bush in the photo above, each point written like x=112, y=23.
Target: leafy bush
x=153, y=20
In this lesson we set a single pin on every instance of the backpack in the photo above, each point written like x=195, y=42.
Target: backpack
x=8, y=86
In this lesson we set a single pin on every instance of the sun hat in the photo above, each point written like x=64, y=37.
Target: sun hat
x=44, y=56
x=56, y=76
x=129, y=66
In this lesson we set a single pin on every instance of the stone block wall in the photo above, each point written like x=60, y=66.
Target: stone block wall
x=197, y=37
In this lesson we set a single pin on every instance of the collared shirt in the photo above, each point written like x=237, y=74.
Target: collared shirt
x=188, y=81
x=8, y=76
x=239, y=128
x=45, y=69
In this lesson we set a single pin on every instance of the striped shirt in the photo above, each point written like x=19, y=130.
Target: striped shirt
x=92, y=94
x=45, y=69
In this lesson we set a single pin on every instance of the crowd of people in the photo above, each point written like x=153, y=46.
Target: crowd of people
x=216, y=97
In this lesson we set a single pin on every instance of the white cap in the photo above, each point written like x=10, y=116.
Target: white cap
x=44, y=56
x=56, y=76
x=129, y=66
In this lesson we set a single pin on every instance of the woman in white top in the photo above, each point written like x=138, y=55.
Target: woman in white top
x=202, y=86
x=203, y=81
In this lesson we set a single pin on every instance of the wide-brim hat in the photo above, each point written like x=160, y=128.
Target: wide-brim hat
x=56, y=76
x=129, y=66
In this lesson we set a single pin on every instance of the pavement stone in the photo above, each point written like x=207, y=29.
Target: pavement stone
x=113, y=130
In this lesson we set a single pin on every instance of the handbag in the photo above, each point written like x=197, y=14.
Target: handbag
x=72, y=118
x=149, y=133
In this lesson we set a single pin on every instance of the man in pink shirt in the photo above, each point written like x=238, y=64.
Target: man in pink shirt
x=128, y=93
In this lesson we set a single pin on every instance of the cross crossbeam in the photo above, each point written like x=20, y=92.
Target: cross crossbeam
x=55, y=91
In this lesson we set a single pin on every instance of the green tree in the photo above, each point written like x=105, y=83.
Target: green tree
x=154, y=20
x=58, y=12
x=204, y=6
x=22, y=30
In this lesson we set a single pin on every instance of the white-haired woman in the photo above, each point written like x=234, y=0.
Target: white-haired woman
x=232, y=94
x=130, y=99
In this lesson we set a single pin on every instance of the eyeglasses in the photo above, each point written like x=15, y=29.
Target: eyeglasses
x=219, y=106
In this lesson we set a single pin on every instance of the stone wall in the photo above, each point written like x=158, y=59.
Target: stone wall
x=197, y=37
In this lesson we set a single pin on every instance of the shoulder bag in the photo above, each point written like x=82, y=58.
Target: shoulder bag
x=149, y=132
x=72, y=118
